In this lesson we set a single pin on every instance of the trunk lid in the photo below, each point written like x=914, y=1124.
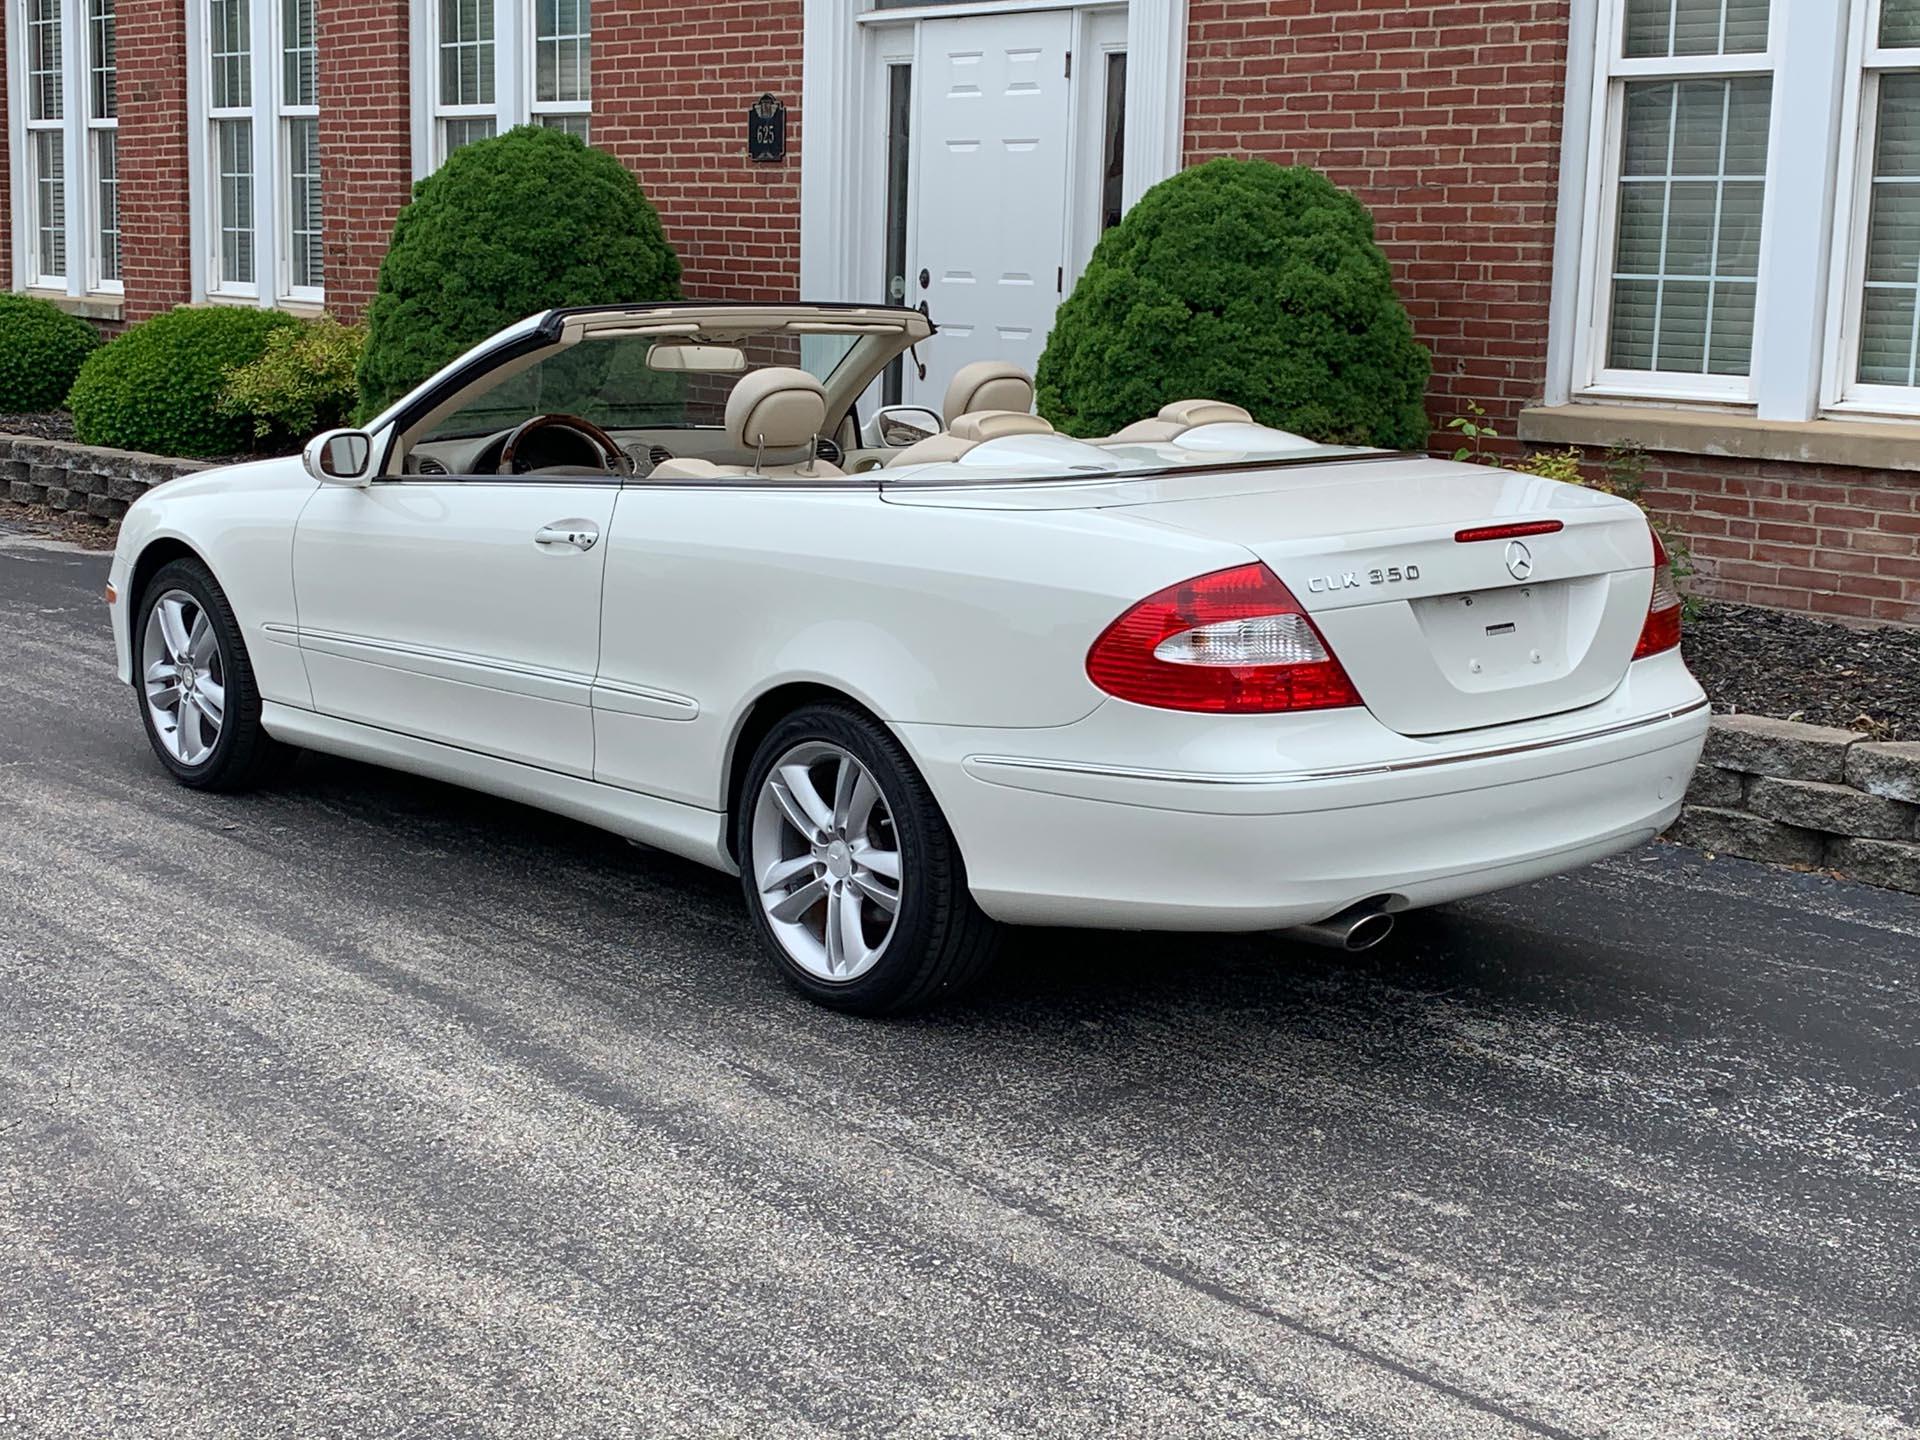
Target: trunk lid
x=1438, y=635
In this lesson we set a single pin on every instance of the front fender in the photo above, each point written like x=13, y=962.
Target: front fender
x=239, y=521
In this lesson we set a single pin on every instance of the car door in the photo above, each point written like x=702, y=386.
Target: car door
x=464, y=611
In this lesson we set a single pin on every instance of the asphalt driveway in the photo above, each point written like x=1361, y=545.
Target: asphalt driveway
x=365, y=1107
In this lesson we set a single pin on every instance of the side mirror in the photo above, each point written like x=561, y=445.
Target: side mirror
x=339, y=457
x=893, y=427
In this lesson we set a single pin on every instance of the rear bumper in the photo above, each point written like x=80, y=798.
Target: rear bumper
x=1078, y=826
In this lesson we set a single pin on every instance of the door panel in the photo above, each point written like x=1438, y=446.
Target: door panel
x=432, y=609
x=990, y=130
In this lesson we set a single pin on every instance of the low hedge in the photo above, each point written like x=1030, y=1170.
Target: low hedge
x=301, y=384
x=41, y=349
x=158, y=387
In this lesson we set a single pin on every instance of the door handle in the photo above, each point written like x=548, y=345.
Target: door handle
x=579, y=534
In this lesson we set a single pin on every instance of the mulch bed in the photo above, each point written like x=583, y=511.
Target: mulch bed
x=1793, y=667
x=87, y=531
x=52, y=425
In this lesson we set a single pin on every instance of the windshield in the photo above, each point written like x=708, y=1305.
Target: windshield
x=641, y=382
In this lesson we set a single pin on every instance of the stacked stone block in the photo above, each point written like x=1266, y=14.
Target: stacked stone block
x=1807, y=795
x=83, y=478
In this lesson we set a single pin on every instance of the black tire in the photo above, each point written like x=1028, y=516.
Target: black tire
x=243, y=755
x=941, y=942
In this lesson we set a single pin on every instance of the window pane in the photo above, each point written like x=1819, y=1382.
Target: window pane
x=1889, y=345
x=1695, y=27
x=1900, y=23
x=572, y=124
x=45, y=94
x=233, y=145
x=303, y=228
x=103, y=90
x=1687, y=243
x=227, y=25
x=299, y=52
x=1114, y=154
x=49, y=180
x=466, y=52
x=561, y=62
x=106, y=177
x=458, y=132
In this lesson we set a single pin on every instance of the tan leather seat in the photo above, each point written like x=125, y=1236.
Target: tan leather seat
x=777, y=410
x=1175, y=419
x=966, y=431
x=987, y=385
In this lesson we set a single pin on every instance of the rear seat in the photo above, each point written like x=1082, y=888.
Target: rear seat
x=1175, y=419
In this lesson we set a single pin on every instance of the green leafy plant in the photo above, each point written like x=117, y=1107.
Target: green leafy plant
x=509, y=226
x=302, y=383
x=158, y=387
x=1474, y=428
x=1248, y=282
x=41, y=349
x=1562, y=465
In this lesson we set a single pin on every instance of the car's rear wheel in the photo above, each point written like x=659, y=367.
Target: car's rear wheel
x=195, y=683
x=852, y=877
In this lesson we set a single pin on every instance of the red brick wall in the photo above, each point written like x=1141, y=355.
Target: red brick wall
x=1816, y=538
x=1445, y=120
x=366, y=142
x=154, y=237
x=671, y=86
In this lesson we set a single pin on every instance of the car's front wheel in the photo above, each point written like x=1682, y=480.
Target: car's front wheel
x=195, y=683
x=852, y=877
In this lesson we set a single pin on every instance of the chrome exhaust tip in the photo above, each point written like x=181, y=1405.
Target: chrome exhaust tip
x=1360, y=928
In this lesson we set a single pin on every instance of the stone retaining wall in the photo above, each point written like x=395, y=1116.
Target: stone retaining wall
x=1806, y=795
x=85, y=478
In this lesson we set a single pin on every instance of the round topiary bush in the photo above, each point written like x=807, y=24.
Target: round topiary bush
x=158, y=387
x=509, y=226
x=41, y=350
x=1243, y=281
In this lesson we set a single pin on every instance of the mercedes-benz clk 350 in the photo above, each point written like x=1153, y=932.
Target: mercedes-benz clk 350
x=917, y=676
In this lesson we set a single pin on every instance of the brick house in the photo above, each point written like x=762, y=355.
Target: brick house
x=1693, y=224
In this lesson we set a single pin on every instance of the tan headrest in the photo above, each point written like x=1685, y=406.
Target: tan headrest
x=987, y=385
x=775, y=409
x=992, y=424
x=1203, y=412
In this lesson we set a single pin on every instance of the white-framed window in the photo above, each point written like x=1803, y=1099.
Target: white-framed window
x=257, y=156
x=103, y=140
x=493, y=64
x=1740, y=218
x=63, y=99
x=301, y=263
x=1873, y=354
x=561, y=65
x=1682, y=105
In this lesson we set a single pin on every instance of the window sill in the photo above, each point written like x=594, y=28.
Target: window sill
x=1857, y=444
x=90, y=307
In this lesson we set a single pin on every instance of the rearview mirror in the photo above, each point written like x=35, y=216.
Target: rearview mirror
x=895, y=426
x=339, y=457
x=697, y=359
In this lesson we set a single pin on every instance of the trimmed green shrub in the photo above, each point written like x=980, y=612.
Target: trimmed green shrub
x=158, y=387
x=1243, y=281
x=302, y=383
x=507, y=227
x=41, y=350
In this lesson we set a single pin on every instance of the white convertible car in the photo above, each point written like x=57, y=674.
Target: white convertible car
x=646, y=566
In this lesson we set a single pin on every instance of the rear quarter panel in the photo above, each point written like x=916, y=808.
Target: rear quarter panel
x=239, y=520
x=718, y=595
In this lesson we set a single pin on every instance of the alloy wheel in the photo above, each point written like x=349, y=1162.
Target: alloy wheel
x=184, y=678
x=826, y=861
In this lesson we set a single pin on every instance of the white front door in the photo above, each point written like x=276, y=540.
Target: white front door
x=990, y=138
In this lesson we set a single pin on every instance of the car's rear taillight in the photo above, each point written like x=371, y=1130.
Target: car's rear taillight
x=1234, y=642
x=1661, y=631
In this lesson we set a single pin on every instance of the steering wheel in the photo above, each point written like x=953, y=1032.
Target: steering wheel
x=616, y=460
